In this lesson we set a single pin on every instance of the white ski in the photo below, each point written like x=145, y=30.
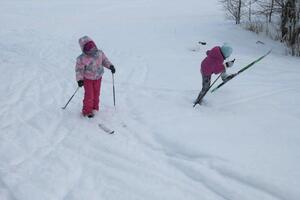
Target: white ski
x=105, y=129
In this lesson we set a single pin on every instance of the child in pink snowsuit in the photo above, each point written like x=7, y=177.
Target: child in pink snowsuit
x=214, y=64
x=89, y=70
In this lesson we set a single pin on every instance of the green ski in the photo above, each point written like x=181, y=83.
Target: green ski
x=241, y=70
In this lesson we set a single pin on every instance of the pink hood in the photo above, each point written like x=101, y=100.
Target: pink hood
x=82, y=41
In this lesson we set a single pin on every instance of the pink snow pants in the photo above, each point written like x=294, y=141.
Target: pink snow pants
x=91, y=96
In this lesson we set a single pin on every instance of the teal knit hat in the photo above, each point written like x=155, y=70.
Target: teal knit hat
x=226, y=50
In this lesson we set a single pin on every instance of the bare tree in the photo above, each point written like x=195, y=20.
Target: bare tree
x=266, y=8
x=290, y=25
x=250, y=11
x=234, y=9
x=271, y=11
x=279, y=19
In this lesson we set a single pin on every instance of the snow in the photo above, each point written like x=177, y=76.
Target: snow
x=243, y=143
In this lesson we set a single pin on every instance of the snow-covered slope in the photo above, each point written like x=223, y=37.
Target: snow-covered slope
x=243, y=144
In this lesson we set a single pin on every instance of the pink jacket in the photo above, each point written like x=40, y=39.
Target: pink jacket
x=213, y=63
x=90, y=67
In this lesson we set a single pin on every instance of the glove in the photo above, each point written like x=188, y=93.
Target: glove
x=230, y=63
x=80, y=83
x=112, y=69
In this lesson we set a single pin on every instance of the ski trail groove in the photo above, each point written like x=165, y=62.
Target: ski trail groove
x=252, y=98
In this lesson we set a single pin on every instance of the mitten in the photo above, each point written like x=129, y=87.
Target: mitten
x=80, y=83
x=230, y=63
x=112, y=69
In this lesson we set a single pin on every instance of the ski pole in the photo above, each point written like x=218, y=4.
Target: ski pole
x=114, y=92
x=207, y=90
x=70, y=98
x=214, y=81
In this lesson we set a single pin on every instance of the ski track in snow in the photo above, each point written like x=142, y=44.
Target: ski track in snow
x=260, y=96
x=162, y=148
